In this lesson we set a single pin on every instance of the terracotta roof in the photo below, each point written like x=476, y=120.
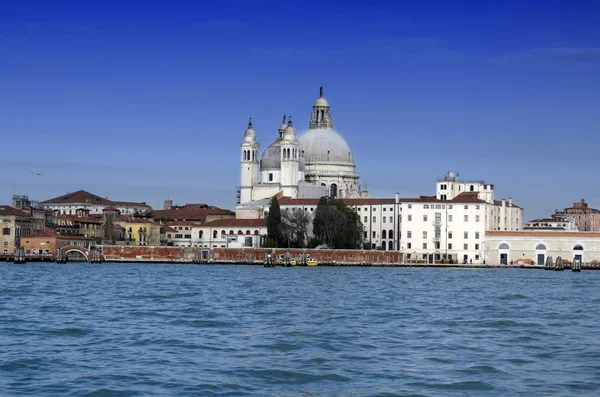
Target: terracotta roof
x=169, y=229
x=8, y=211
x=111, y=208
x=506, y=204
x=45, y=234
x=235, y=223
x=79, y=219
x=129, y=204
x=348, y=201
x=548, y=220
x=80, y=196
x=191, y=213
x=574, y=234
x=83, y=197
x=183, y=223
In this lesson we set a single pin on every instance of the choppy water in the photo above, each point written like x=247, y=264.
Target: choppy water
x=200, y=330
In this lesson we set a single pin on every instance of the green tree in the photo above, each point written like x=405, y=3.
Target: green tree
x=337, y=225
x=274, y=223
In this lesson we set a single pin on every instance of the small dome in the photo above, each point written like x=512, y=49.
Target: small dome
x=321, y=102
x=325, y=146
x=283, y=125
x=271, y=157
x=250, y=134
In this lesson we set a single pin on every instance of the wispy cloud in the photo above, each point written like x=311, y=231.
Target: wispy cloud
x=557, y=54
x=570, y=54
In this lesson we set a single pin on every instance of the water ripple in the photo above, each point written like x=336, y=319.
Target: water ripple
x=181, y=330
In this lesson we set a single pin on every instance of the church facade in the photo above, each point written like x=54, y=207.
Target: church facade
x=318, y=162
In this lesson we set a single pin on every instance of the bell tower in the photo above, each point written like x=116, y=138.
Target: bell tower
x=249, y=163
x=290, y=157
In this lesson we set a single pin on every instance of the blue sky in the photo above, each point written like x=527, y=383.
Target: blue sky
x=150, y=100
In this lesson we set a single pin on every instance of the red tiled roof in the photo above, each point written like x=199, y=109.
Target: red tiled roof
x=10, y=211
x=110, y=208
x=169, y=229
x=80, y=196
x=506, y=204
x=83, y=197
x=45, y=234
x=236, y=223
x=191, y=213
x=348, y=201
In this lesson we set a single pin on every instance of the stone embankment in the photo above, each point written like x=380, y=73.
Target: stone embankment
x=114, y=253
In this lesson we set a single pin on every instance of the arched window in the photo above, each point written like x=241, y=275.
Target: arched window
x=247, y=231
x=540, y=247
x=333, y=190
x=472, y=188
x=200, y=233
x=214, y=234
x=231, y=232
x=503, y=246
x=391, y=234
x=383, y=234
x=256, y=232
x=383, y=245
x=240, y=232
x=578, y=248
x=391, y=246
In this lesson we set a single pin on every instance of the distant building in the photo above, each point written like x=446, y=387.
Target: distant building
x=141, y=232
x=586, y=219
x=15, y=223
x=70, y=203
x=316, y=163
x=198, y=213
x=47, y=243
x=556, y=223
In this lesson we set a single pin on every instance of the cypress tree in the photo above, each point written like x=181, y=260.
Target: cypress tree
x=274, y=221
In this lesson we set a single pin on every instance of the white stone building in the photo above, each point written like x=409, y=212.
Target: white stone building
x=450, y=225
x=70, y=203
x=317, y=163
x=526, y=247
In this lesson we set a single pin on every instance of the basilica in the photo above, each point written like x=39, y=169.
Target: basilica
x=316, y=163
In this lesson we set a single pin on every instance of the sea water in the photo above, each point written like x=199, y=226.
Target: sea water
x=222, y=330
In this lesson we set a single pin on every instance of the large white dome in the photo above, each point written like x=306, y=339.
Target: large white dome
x=325, y=146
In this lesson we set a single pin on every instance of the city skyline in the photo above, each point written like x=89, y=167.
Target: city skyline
x=147, y=104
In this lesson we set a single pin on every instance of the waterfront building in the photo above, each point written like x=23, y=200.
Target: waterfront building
x=527, y=247
x=47, y=242
x=229, y=233
x=143, y=232
x=451, y=225
x=15, y=223
x=70, y=203
x=318, y=162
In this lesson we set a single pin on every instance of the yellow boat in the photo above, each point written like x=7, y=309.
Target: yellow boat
x=311, y=262
x=293, y=263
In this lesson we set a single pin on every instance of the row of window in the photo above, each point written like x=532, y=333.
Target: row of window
x=437, y=246
x=450, y=218
x=465, y=234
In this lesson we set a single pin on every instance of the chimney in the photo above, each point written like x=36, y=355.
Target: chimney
x=397, y=198
x=503, y=202
x=510, y=201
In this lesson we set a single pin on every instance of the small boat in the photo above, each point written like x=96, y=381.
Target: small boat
x=293, y=263
x=311, y=262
